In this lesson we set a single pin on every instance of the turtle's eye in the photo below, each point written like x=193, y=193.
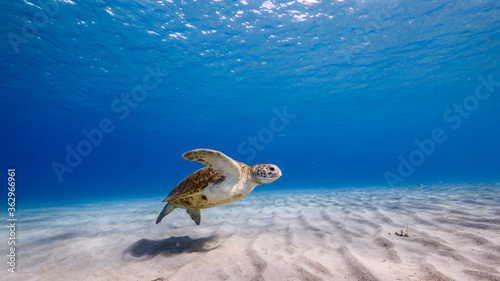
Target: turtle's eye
x=272, y=168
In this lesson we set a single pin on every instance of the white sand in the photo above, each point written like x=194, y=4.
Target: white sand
x=293, y=235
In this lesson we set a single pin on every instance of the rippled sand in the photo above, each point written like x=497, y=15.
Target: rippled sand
x=293, y=235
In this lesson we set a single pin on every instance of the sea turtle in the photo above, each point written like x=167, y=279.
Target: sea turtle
x=223, y=181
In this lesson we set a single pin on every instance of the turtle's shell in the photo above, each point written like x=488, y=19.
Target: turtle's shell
x=193, y=184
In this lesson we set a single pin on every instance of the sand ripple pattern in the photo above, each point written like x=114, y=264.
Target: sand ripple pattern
x=316, y=234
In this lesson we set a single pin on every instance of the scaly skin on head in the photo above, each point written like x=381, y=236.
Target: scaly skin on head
x=265, y=173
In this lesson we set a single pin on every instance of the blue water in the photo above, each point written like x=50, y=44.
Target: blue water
x=335, y=93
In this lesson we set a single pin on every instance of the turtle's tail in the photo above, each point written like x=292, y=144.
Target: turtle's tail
x=167, y=210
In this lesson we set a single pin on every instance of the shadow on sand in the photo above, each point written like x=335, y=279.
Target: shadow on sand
x=171, y=246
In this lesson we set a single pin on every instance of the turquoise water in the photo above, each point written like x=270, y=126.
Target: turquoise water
x=100, y=99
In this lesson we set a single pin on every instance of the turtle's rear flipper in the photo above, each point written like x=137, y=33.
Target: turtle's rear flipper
x=195, y=215
x=167, y=210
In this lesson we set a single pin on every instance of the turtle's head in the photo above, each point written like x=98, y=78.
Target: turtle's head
x=265, y=173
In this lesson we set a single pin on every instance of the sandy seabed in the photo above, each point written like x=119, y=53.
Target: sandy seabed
x=316, y=234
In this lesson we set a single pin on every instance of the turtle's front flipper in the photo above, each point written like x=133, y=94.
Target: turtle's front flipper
x=167, y=210
x=217, y=160
x=195, y=215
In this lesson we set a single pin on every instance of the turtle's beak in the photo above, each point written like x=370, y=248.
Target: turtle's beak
x=276, y=173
